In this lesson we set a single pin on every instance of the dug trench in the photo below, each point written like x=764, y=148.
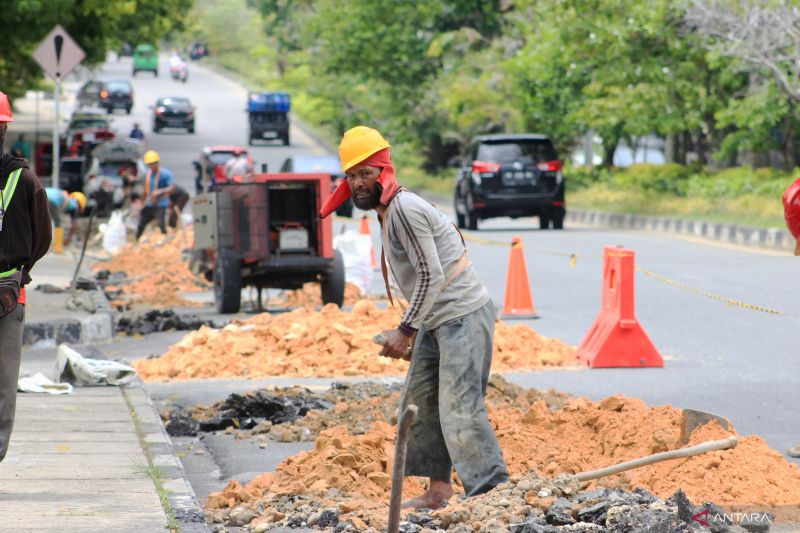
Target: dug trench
x=341, y=482
x=322, y=458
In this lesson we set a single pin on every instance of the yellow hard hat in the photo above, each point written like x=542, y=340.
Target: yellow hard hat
x=80, y=198
x=151, y=156
x=358, y=144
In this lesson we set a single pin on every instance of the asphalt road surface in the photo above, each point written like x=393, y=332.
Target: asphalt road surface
x=731, y=360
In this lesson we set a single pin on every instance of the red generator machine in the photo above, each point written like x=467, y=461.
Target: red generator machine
x=266, y=233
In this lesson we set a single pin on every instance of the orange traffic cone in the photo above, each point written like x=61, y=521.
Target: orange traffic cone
x=519, y=300
x=363, y=229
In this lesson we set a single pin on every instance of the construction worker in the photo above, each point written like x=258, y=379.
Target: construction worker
x=238, y=168
x=60, y=202
x=446, y=331
x=21, y=148
x=158, y=185
x=24, y=238
x=177, y=201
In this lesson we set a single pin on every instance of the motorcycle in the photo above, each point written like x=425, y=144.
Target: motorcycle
x=180, y=73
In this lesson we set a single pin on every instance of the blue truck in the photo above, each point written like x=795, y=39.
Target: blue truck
x=268, y=116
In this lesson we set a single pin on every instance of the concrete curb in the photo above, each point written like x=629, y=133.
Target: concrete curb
x=770, y=239
x=181, y=497
x=96, y=328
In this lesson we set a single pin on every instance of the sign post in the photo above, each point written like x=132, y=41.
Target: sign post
x=58, y=56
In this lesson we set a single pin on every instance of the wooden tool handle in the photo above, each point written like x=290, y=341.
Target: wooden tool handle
x=708, y=446
x=403, y=426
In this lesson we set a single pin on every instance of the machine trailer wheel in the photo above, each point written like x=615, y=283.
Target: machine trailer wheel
x=227, y=284
x=332, y=284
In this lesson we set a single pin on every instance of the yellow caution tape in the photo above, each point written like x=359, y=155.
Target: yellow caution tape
x=728, y=301
x=573, y=260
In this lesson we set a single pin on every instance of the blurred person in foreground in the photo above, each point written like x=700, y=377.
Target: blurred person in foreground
x=791, y=212
x=446, y=331
x=24, y=238
x=158, y=185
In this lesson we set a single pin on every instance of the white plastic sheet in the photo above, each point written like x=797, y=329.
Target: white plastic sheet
x=115, y=235
x=41, y=383
x=356, y=250
x=81, y=371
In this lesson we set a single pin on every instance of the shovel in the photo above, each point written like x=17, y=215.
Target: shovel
x=398, y=473
x=692, y=419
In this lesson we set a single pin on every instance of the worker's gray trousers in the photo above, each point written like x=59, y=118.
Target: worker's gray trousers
x=447, y=381
x=11, y=327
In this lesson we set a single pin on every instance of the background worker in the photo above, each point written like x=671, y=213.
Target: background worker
x=24, y=238
x=21, y=148
x=136, y=132
x=59, y=203
x=158, y=185
x=446, y=331
x=238, y=168
x=177, y=201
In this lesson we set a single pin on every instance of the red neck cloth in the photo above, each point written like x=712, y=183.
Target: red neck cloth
x=386, y=180
x=791, y=211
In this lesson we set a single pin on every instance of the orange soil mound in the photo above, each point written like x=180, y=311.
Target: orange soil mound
x=156, y=270
x=583, y=435
x=330, y=342
x=309, y=296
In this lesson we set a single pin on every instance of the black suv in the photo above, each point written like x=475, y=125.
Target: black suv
x=108, y=94
x=510, y=175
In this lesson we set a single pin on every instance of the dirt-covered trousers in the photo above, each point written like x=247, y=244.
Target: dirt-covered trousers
x=10, y=352
x=447, y=381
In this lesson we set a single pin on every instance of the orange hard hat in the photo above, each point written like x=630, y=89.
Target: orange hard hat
x=5, y=109
x=358, y=144
x=791, y=211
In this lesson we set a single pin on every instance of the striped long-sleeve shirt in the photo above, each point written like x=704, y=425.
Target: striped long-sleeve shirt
x=421, y=245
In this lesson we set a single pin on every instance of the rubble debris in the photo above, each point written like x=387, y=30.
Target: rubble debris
x=160, y=320
x=181, y=423
x=156, y=271
x=354, y=405
x=324, y=343
x=542, y=446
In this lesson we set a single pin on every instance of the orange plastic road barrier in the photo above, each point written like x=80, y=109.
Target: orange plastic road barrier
x=616, y=338
x=519, y=300
x=363, y=229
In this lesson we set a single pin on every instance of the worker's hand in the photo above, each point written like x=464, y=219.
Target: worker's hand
x=398, y=344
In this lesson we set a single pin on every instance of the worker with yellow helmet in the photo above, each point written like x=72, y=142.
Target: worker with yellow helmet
x=158, y=186
x=60, y=202
x=445, y=332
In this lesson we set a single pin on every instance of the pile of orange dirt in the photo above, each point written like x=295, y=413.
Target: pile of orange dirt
x=330, y=342
x=157, y=273
x=352, y=473
x=310, y=296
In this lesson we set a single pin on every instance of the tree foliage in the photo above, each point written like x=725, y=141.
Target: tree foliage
x=96, y=25
x=431, y=74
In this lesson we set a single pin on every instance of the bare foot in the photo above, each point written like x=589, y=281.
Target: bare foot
x=433, y=499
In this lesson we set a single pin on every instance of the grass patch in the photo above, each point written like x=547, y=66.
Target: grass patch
x=150, y=469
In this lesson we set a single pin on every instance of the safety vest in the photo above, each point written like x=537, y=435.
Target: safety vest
x=5, y=200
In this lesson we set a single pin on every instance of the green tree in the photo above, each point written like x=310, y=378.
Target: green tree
x=96, y=25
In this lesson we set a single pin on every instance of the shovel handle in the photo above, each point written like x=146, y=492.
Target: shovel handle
x=398, y=473
x=708, y=446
